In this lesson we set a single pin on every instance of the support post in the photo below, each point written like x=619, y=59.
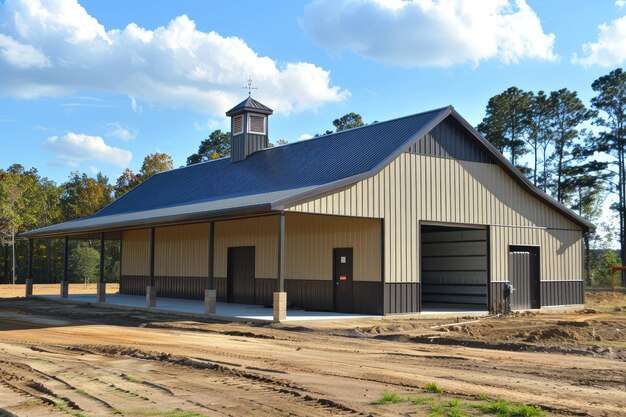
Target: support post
x=151, y=290
x=29, y=280
x=101, y=290
x=66, y=269
x=210, y=293
x=280, y=297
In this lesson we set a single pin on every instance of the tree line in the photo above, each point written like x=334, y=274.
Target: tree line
x=572, y=151
x=30, y=201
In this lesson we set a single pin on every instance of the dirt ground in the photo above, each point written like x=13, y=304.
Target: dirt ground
x=63, y=359
x=18, y=290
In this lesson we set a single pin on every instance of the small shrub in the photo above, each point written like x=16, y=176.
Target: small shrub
x=432, y=387
x=483, y=397
x=389, y=398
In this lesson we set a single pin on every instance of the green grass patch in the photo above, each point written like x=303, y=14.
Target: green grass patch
x=483, y=397
x=432, y=387
x=452, y=408
x=389, y=398
x=422, y=400
x=503, y=408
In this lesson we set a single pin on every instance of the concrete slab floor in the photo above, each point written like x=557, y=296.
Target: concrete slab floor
x=227, y=311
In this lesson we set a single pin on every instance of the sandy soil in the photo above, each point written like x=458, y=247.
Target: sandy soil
x=43, y=289
x=64, y=359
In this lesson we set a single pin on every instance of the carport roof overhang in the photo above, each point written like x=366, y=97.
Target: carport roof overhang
x=244, y=206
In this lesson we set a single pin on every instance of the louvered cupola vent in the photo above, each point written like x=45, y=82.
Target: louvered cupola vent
x=248, y=128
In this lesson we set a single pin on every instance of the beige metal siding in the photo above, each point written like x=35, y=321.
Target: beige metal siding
x=415, y=188
x=560, y=254
x=310, y=241
x=261, y=232
x=182, y=251
x=135, y=247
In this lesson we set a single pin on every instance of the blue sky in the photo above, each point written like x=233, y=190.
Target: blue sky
x=98, y=85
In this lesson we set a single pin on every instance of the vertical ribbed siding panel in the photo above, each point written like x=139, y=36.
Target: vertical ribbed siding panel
x=400, y=298
x=182, y=251
x=310, y=240
x=135, y=247
x=562, y=293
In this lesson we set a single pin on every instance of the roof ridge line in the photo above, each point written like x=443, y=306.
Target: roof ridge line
x=450, y=107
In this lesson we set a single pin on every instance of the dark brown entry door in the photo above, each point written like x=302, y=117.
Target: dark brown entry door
x=240, y=275
x=342, y=279
x=524, y=277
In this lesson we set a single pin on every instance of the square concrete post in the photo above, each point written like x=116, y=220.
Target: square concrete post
x=280, y=306
x=65, y=289
x=150, y=296
x=102, y=292
x=210, y=301
x=280, y=297
x=29, y=287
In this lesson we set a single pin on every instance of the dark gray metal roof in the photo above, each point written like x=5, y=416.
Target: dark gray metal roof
x=274, y=178
x=249, y=104
x=258, y=203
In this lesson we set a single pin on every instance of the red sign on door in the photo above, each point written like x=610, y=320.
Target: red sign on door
x=343, y=278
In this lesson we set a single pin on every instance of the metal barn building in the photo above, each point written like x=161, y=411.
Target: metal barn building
x=400, y=216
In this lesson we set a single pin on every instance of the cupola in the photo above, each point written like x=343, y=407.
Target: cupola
x=248, y=128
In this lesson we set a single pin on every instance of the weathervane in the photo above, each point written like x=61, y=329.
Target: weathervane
x=249, y=87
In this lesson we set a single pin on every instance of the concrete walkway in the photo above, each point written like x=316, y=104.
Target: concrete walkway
x=195, y=308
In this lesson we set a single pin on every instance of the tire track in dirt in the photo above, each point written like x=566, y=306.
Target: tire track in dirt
x=275, y=385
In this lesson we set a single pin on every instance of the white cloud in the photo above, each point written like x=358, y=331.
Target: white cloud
x=119, y=131
x=21, y=56
x=75, y=148
x=620, y=3
x=429, y=33
x=66, y=50
x=610, y=48
x=305, y=136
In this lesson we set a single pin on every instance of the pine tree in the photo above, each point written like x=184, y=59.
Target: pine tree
x=506, y=122
x=611, y=104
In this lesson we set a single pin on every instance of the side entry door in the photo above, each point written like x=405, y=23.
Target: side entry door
x=524, y=277
x=240, y=275
x=342, y=279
